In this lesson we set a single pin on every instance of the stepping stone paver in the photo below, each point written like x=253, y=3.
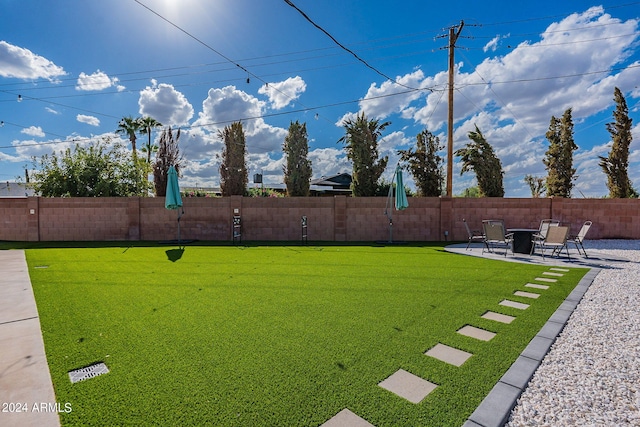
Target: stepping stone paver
x=545, y=279
x=408, y=386
x=502, y=318
x=552, y=273
x=526, y=294
x=536, y=286
x=346, y=418
x=477, y=333
x=514, y=304
x=449, y=355
x=565, y=270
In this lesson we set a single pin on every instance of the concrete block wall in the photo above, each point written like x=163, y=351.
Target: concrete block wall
x=15, y=221
x=79, y=218
x=337, y=218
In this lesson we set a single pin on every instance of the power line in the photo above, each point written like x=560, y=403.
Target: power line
x=343, y=47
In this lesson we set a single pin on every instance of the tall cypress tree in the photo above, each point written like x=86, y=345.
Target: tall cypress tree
x=616, y=165
x=479, y=156
x=425, y=164
x=233, y=169
x=559, y=156
x=297, y=170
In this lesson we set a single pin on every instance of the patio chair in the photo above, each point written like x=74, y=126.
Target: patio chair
x=556, y=240
x=495, y=236
x=541, y=234
x=474, y=235
x=579, y=239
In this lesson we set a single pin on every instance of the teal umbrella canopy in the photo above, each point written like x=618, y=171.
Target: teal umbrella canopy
x=173, y=199
x=401, y=196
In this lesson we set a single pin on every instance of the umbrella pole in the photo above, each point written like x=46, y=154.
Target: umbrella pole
x=179, y=216
x=389, y=212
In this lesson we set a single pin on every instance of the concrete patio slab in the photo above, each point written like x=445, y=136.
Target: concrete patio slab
x=449, y=355
x=564, y=270
x=536, y=286
x=524, y=294
x=545, y=279
x=408, y=386
x=514, y=304
x=552, y=273
x=477, y=333
x=498, y=317
x=346, y=418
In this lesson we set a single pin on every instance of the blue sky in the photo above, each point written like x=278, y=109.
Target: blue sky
x=80, y=66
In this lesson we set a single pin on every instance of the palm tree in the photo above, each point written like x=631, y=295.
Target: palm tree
x=361, y=144
x=146, y=125
x=129, y=126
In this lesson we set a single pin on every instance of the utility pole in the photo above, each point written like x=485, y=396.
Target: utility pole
x=453, y=37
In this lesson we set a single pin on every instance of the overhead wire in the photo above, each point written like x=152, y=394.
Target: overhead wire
x=343, y=47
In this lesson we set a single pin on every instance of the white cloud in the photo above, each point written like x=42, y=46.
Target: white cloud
x=90, y=120
x=493, y=43
x=226, y=105
x=97, y=81
x=21, y=63
x=52, y=111
x=165, y=104
x=33, y=131
x=329, y=161
x=390, y=97
x=283, y=93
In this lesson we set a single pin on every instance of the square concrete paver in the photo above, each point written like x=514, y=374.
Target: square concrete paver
x=526, y=294
x=514, y=304
x=449, y=355
x=536, y=286
x=408, y=386
x=545, y=279
x=502, y=318
x=477, y=333
x=552, y=273
x=346, y=418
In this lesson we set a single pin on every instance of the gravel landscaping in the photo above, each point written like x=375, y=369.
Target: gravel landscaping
x=591, y=376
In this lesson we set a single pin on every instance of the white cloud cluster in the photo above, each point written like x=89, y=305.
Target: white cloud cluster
x=33, y=131
x=90, y=120
x=97, y=81
x=21, y=63
x=165, y=104
x=283, y=93
x=229, y=104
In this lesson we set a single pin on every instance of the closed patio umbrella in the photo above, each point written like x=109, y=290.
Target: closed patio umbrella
x=172, y=199
x=401, y=195
x=400, y=200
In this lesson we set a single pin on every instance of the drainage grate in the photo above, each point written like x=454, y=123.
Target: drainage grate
x=88, y=372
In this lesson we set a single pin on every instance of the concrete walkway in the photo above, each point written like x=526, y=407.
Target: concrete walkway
x=26, y=392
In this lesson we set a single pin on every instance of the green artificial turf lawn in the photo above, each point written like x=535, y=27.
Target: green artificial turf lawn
x=276, y=335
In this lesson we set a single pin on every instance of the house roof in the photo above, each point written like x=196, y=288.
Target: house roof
x=15, y=189
x=339, y=181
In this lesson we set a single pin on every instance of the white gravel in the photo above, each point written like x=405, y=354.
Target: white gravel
x=591, y=376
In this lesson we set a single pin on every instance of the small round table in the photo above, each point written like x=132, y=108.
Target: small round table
x=522, y=239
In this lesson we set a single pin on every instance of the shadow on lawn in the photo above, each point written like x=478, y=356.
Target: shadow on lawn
x=174, y=254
